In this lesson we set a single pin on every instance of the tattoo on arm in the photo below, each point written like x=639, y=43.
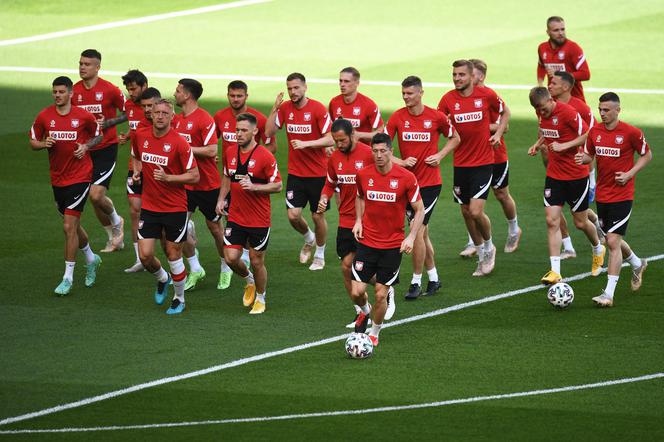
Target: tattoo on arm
x=114, y=121
x=96, y=140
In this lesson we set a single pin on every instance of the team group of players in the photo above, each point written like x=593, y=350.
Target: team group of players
x=343, y=152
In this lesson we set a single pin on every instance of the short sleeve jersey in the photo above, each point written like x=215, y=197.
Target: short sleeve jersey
x=472, y=117
x=342, y=169
x=418, y=136
x=226, y=121
x=385, y=199
x=363, y=113
x=250, y=209
x=78, y=126
x=199, y=130
x=583, y=109
x=104, y=98
x=500, y=152
x=614, y=152
x=172, y=153
x=309, y=123
x=563, y=125
x=135, y=119
x=567, y=58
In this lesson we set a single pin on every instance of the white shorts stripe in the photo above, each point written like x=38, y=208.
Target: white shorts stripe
x=80, y=200
x=428, y=209
x=502, y=178
x=106, y=175
x=184, y=230
x=355, y=275
x=394, y=278
x=261, y=245
x=483, y=189
x=457, y=198
x=619, y=224
x=290, y=206
x=583, y=197
x=546, y=203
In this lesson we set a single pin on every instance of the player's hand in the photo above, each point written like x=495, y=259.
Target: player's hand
x=494, y=140
x=49, y=142
x=622, y=178
x=216, y=159
x=160, y=175
x=357, y=231
x=410, y=161
x=578, y=158
x=220, y=209
x=556, y=147
x=550, y=72
x=299, y=144
x=100, y=120
x=432, y=160
x=329, y=150
x=406, y=245
x=136, y=177
x=279, y=100
x=532, y=151
x=80, y=150
x=247, y=184
x=322, y=204
x=122, y=138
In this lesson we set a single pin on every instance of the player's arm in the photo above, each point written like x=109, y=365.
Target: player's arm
x=623, y=178
x=581, y=69
x=576, y=142
x=503, y=121
x=367, y=136
x=274, y=187
x=391, y=130
x=272, y=145
x=209, y=151
x=272, y=125
x=114, y=121
x=541, y=70
x=359, y=213
x=451, y=144
x=324, y=141
x=38, y=140
x=191, y=176
x=223, y=192
x=415, y=226
x=532, y=150
x=331, y=182
x=83, y=148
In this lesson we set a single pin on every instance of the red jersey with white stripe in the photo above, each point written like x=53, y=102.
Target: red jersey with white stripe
x=385, y=199
x=583, y=109
x=199, y=130
x=226, y=121
x=614, y=152
x=342, y=169
x=250, y=209
x=309, y=123
x=172, y=153
x=362, y=112
x=563, y=125
x=135, y=119
x=418, y=136
x=567, y=58
x=472, y=117
x=500, y=152
x=104, y=98
x=78, y=126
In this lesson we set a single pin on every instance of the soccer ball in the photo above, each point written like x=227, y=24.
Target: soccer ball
x=359, y=346
x=560, y=295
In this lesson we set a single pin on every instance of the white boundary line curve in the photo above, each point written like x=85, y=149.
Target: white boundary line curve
x=492, y=397
x=130, y=22
x=260, y=357
x=274, y=79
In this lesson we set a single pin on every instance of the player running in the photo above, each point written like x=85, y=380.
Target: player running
x=68, y=132
x=167, y=163
x=418, y=129
x=383, y=191
x=613, y=144
x=562, y=133
x=250, y=175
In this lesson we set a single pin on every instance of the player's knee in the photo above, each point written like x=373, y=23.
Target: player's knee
x=580, y=223
x=70, y=227
x=476, y=212
x=256, y=260
x=613, y=241
x=97, y=194
x=501, y=194
x=294, y=215
x=381, y=296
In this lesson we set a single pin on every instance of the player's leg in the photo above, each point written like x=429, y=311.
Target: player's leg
x=235, y=238
x=258, y=240
x=103, y=165
x=434, y=283
x=146, y=246
x=296, y=200
x=483, y=224
x=387, y=276
x=176, y=264
x=314, y=190
x=195, y=199
x=378, y=312
x=363, y=270
x=418, y=256
x=568, y=248
x=346, y=248
x=613, y=242
x=92, y=260
x=423, y=252
x=582, y=223
x=461, y=192
x=553, y=216
x=134, y=213
x=500, y=185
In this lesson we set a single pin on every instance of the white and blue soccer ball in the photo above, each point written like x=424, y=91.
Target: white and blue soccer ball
x=359, y=346
x=560, y=295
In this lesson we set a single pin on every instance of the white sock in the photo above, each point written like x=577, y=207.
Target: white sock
x=161, y=275
x=357, y=309
x=470, y=240
x=309, y=237
x=69, y=270
x=250, y=278
x=555, y=263
x=115, y=218
x=634, y=260
x=224, y=266
x=432, y=274
x=488, y=245
x=417, y=279
x=109, y=232
x=178, y=287
x=366, y=308
x=567, y=244
x=194, y=265
x=136, y=251
x=513, y=226
x=245, y=255
x=260, y=297
x=611, y=283
x=87, y=252
x=375, y=329
x=597, y=250
x=320, y=252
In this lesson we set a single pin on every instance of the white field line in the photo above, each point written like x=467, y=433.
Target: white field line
x=272, y=79
x=260, y=357
x=131, y=22
x=347, y=412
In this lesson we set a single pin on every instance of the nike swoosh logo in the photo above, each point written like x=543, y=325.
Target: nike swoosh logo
x=77, y=197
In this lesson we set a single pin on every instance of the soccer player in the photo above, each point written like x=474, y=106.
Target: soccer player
x=349, y=157
x=355, y=107
x=501, y=175
x=472, y=110
x=198, y=128
x=383, y=191
x=561, y=54
x=613, y=144
x=562, y=132
x=68, y=132
x=306, y=121
x=102, y=99
x=250, y=175
x=418, y=129
x=167, y=163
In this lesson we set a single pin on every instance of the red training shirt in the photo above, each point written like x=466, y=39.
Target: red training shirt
x=362, y=112
x=567, y=58
x=199, y=130
x=104, y=98
x=226, y=121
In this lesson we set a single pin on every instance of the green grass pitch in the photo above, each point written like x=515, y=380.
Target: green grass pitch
x=61, y=350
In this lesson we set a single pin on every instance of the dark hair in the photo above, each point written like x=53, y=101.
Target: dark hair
x=135, y=76
x=342, y=124
x=478, y=64
x=411, y=80
x=194, y=87
x=151, y=92
x=237, y=84
x=247, y=117
x=538, y=94
x=382, y=138
x=63, y=81
x=566, y=77
x=460, y=63
x=91, y=53
x=296, y=76
x=351, y=70
x=552, y=19
x=609, y=96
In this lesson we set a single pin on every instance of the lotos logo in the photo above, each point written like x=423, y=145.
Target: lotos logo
x=298, y=128
x=416, y=136
x=229, y=136
x=151, y=158
x=468, y=117
x=92, y=108
x=550, y=133
x=186, y=137
x=607, y=151
x=387, y=197
x=346, y=179
x=63, y=135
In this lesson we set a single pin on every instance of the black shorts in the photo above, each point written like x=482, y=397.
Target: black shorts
x=70, y=200
x=501, y=175
x=205, y=201
x=134, y=190
x=384, y=263
x=472, y=183
x=572, y=192
x=153, y=224
x=429, y=199
x=346, y=242
x=614, y=217
x=300, y=191
x=237, y=236
x=103, y=165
